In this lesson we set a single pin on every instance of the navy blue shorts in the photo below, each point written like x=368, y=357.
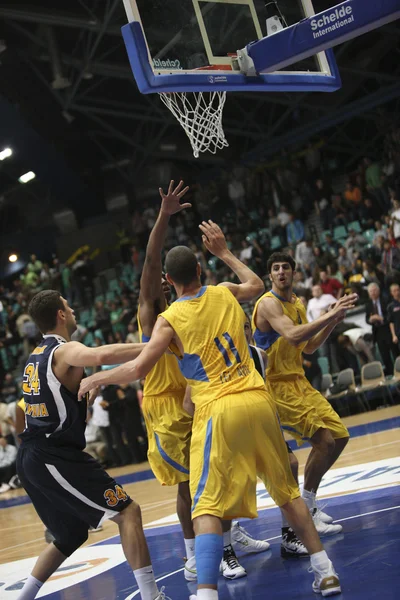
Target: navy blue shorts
x=69, y=489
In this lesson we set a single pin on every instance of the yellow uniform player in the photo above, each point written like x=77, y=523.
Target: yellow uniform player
x=281, y=329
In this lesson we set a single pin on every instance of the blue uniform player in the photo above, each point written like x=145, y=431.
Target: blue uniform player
x=69, y=489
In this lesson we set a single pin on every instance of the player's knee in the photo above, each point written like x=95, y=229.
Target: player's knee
x=69, y=545
x=133, y=513
x=326, y=443
x=342, y=442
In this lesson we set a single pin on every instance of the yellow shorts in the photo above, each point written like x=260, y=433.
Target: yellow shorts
x=303, y=410
x=234, y=439
x=169, y=430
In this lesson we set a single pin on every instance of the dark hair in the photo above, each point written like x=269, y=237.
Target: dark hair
x=44, y=307
x=280, y=257
x=181, y=265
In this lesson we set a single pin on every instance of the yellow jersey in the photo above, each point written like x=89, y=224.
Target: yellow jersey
x=165, y=378
x=216, y=360
x=284, y=360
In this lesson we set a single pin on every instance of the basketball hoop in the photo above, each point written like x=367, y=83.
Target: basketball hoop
x=200, y=115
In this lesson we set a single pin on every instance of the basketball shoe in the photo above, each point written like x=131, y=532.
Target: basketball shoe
x=230, y=567
x=291, y=546
x=326, y=581
x=322, y=527
x=241, y=540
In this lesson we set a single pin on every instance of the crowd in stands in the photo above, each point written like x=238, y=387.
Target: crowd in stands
x=343, y=229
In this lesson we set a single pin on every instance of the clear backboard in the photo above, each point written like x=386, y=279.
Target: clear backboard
x=188, y=45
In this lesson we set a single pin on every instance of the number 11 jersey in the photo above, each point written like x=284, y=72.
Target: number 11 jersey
x=216, y=360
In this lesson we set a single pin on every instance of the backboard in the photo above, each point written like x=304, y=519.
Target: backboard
x=187, y=45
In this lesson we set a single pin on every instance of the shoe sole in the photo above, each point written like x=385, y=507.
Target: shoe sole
x=190, y=575
x=288, y=554
x=247, y=550
x=232, y=577
x=331, y=590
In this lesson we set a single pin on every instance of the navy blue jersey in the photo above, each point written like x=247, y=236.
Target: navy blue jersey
x=52, y=412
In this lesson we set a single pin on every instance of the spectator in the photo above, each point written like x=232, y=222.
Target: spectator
x=283, y=216
x=395, y=218
x=304, y=254
x=354, y=243
x=330, y=285
x=353, y=342
x=294, y=231
x=10, y=389
x=246, y=252
x=379, y=231
x=8, y=455
x=102, y=319
x=376, y=315
x=390, y=261
x=319, y=303
x=369, y=212
x=393, y=313
x=344, y=260
x=34, y=266
x=353, y=197
x=331, y=245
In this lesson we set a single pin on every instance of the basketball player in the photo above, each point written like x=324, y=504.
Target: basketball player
x=169, y=426
x=280, y=327
x=236, y=434
x=291, y=546
x=68, y=488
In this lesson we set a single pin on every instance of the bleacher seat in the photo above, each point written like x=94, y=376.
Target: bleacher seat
x=324, y=364
x=373, y=378
x=369, y=235
x=340, y=233
x=276, y=242
x=355, y=225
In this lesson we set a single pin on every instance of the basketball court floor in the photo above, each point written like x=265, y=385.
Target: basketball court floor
x=362, y=493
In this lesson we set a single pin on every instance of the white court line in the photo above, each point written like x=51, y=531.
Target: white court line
x=24, y=544
x=31, y=525
x=355, y=451
x=374, y=512
x=274, y=538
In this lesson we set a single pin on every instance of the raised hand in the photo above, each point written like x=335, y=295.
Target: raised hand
x=343, y=305
x=213, y=238
x=171, y=201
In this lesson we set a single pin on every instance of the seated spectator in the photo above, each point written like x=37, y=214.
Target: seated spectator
x=376, y=315
x=34, y=265
x=319, y=303
x=133, y=334
x=371, y=274
x=379, y=232
x=353, y=197
x=330, y=245
x=300, y=285
x=304, y=256
x=95, y=445
x=246, y=252
x=393, y=313
x=294, y=231
x=330, y=285
x=369, y=212
x=10, y=389
x=8, y=455
x=343, y=259
x=354, y=243
x=339, y=212
x=390, y=264
x=333, y=271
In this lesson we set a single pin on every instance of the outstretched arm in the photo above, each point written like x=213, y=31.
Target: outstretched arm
x=76, y=354
x=151, y=293
x=137, y=369
x=270, y=311
x=251, y=285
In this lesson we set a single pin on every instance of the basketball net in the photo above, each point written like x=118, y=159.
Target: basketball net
x=200, y=115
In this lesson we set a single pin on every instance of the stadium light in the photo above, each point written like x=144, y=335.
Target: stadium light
x=6, y=153
x=27, y=177
x=13, y=258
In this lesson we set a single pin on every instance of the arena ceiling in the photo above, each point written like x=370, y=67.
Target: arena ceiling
x=65, y=78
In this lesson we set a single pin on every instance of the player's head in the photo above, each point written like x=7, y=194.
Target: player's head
x=281, y=268
x=50, y=311
x=181, y=266
x=248, y=330
x=166, y=287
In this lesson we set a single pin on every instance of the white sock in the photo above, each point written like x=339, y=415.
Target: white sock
x=30, y=589
x=320, y=561
x=189, y=545
x=309, y=499
x=285, y=522
x=146, y=583
x=227, y=538
x=207, y=594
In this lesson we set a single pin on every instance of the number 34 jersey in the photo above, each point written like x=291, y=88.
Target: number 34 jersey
x=52, y=412
x=216, y=360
